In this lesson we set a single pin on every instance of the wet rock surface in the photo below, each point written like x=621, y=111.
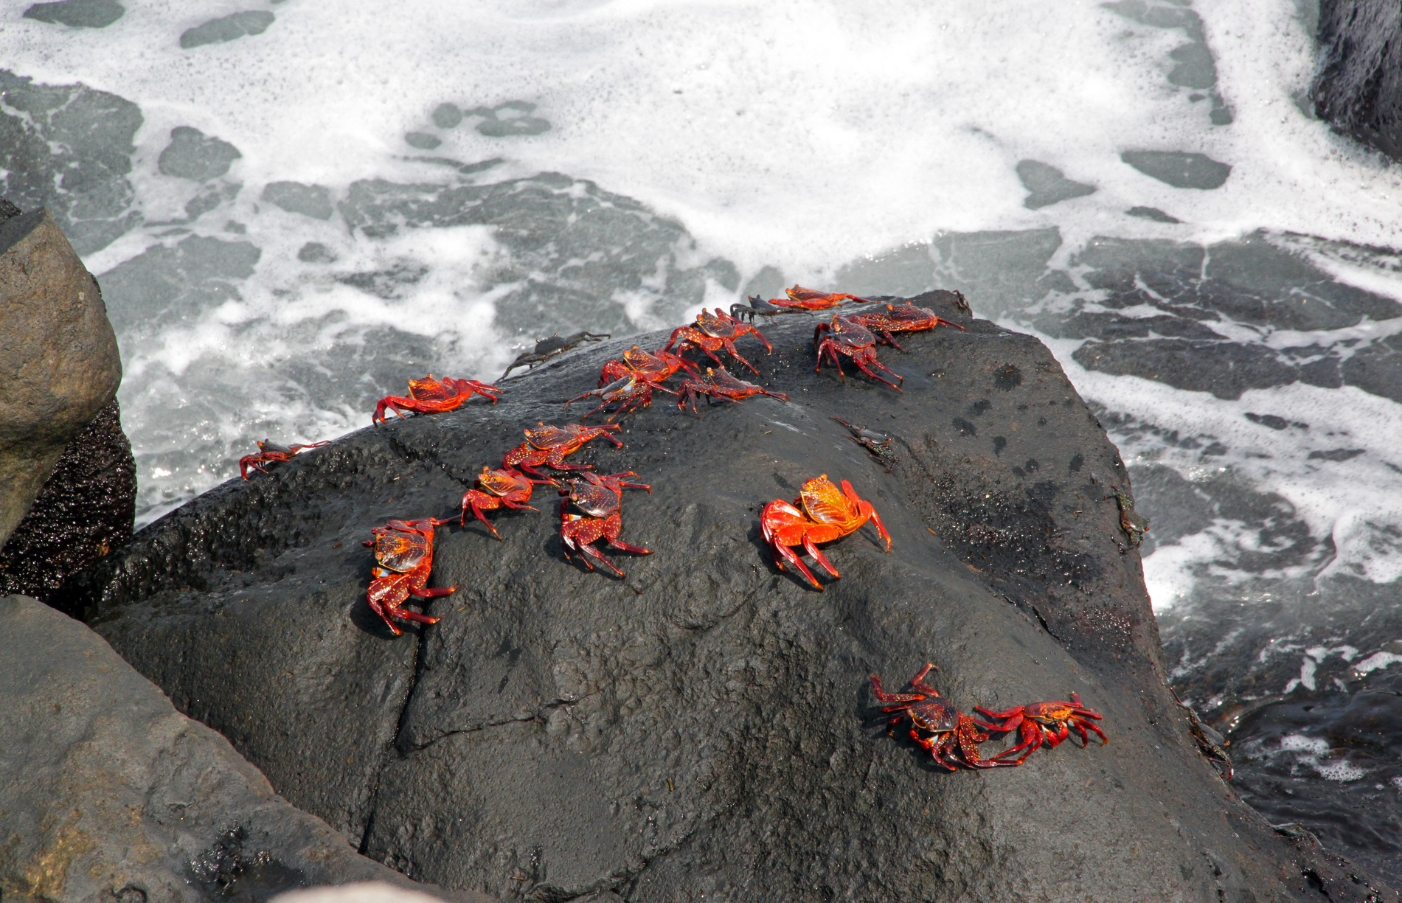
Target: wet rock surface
x=1359, y=86
x=108, y=793
x=85, y=510
x=706, y=726
x=59, y=364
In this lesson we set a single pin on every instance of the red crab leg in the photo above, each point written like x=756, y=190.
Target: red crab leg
x=858, y=361
x=783, y=553
x=918, y=681
x=818, y=556
x=890, y=339
x=730, y=346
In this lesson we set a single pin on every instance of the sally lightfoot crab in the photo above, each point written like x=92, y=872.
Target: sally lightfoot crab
x=269, y=452
x=953, y=737
x=404, y=550
x=549, y=445
x=433, y=396
x=892, y=318
x=598, y=497
x=507, y=487
x=1042, y=722
x=714, y=331
x=846, y=337
x=826, y=514
x=720, y=384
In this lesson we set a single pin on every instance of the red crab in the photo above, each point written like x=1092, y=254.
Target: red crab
x=655, y=367
x=507, y=487
x=599, y=497
x=720, y=384
x=901, y=318
x=1043, y=722
x=433, y=396
x=847, y=336
x=404, y=550
x=827, y=514
x=269, y=452
x=550, y=444
x=800, y=298
x=713, y=332
x=954, y=736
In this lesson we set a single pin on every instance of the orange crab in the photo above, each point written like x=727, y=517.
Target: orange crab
x=1043, y=722
x=720, y=384
x=954, y=736
x=404, y=550
x=269, y=452
x=550, y=444
x=507, y=487
x=714, y=331
x=599, y=497
x=848, y=337
x=655, y=367
x=826, y=514
x=800, y=298
x=901, y=318
x=433, y=396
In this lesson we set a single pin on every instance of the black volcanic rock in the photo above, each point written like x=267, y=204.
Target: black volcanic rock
x=705, y=728
x=85, y=510
x=1359, y=86
x=108, y=793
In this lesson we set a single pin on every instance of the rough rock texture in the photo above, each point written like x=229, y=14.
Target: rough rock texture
x=85, y=510
x=59, y=364
x=1359, y=86
x=705, y=729
x=108, y=793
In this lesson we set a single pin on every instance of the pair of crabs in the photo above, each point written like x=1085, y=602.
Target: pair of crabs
x=952, y=738
x=629, y=383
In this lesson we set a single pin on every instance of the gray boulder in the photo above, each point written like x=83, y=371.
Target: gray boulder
x=59, y=364
x=108, y=793
x=705, y=727
x=1359, y=86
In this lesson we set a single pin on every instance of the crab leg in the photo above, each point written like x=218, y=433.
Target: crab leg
x=818, y=556
x=788, y=554
x=730, y=346
x=858, y=361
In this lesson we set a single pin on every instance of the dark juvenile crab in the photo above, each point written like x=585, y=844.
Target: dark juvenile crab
x=599, y=497
x=433, y=396
x=755, y=306
x=714, y=331
x=506, y=487
x=720, y=384
x=1133, y=524
x=547, y=348
x=1042, y=722
x=900, y=318
x=954, y=736
x=550, y=444
x=269, y=452
x=404, y=550
x=848, y=337
x=878, y=445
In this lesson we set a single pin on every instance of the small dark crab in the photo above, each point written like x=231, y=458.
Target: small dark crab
x=900, y=318
x=547, y=348
x=755, y=306
x=720, y=384
x=1133, y=524
x=269, y=452
x=954, y=736
x=878, y=445
x=845, y=336
x=599, y=497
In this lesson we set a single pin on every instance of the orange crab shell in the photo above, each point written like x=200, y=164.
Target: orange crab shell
x=828, y=513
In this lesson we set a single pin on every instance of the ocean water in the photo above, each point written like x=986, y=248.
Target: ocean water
x=293, y=208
